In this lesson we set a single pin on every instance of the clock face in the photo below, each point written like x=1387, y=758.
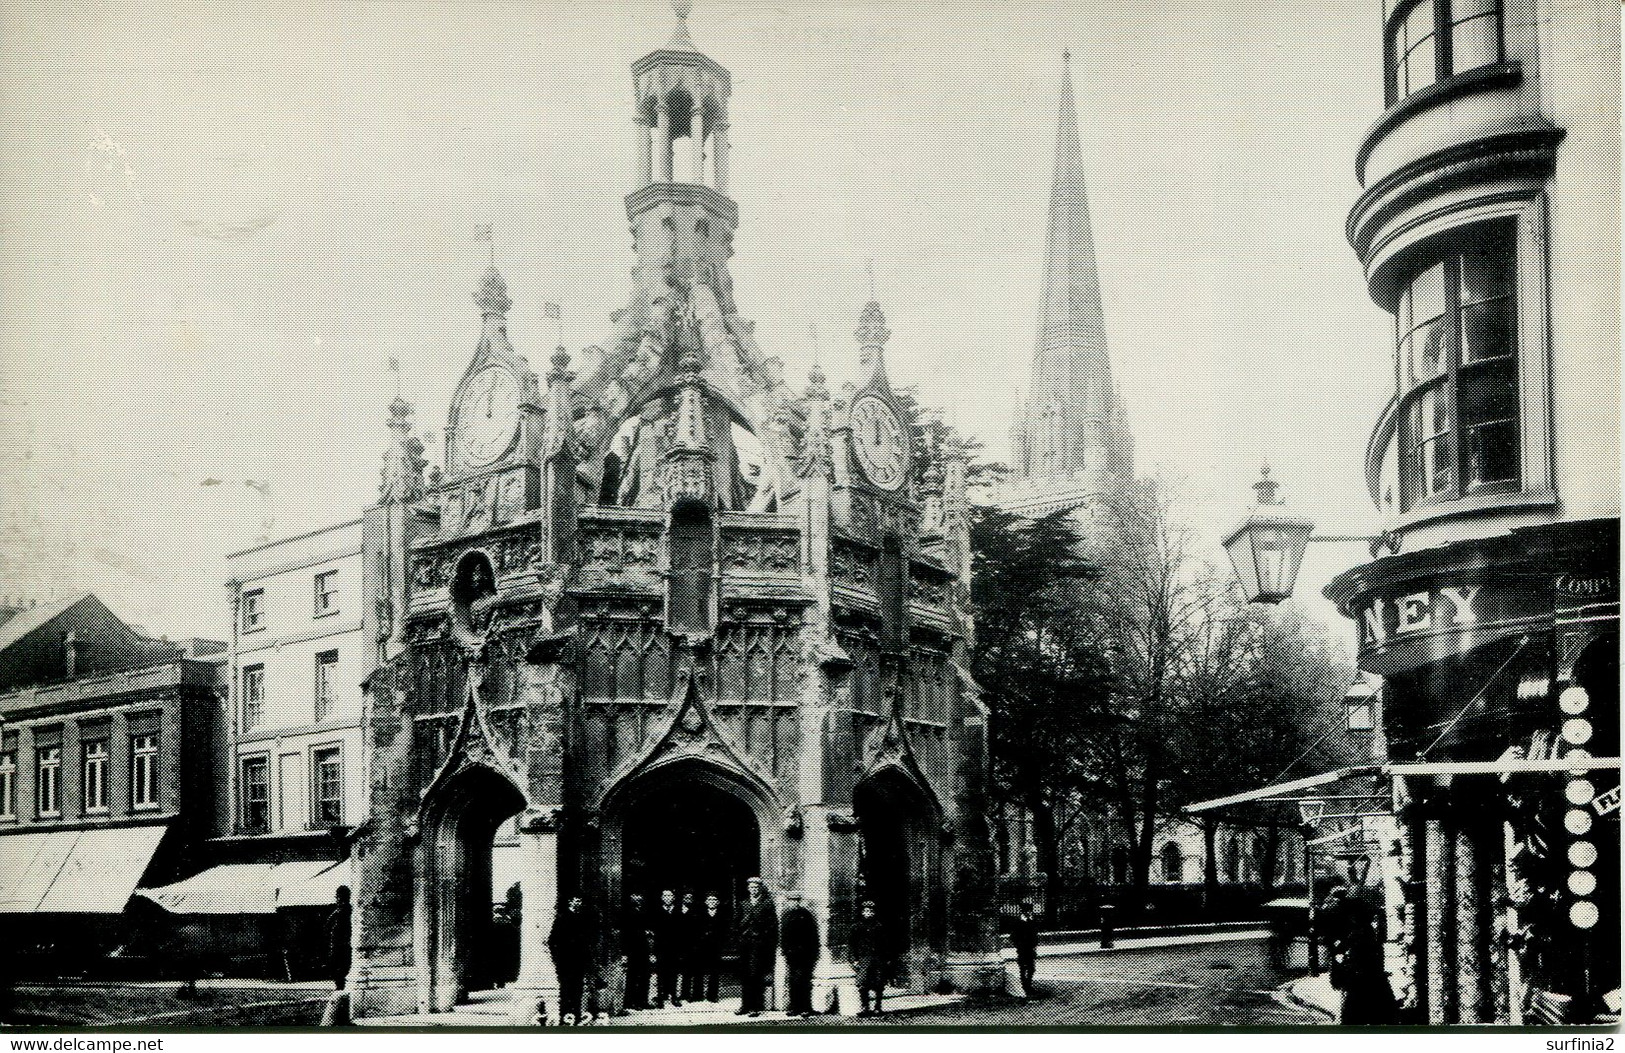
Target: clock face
x=880, y=442
x=487, y=416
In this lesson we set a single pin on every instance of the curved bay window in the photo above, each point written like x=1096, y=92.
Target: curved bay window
x=1430, y=40
x=1457, y=359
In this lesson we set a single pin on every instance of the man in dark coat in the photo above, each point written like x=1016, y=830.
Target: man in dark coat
x=690, y=911
x=709, y=937
x=798, y=939
x=867, y=946
x=1024, y=937
x=666, y=927
x=635, y=951
x=338, y=938
x=573, y=942
x=758, y=938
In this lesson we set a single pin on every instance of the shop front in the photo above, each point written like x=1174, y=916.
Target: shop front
x=1501, y=714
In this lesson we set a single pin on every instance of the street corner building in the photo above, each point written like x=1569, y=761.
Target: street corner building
x=669, y=623
x=1491, y=610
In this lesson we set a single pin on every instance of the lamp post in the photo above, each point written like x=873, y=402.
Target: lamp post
x=1267, y=546
x=1310, y=811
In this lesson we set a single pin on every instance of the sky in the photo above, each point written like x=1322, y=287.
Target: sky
x=219, y=221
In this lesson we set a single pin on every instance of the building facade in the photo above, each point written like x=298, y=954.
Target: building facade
x=296, y=767
x=1487, y=226
x=107, y=772
x=689, y=625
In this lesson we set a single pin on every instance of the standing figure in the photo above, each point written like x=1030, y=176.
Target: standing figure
x=758, y=938
x=1349, y=925
x=635, y=951
x=338, y=938
x=1024, y=936
x=710, y=937
x=798, y=937
x=573, y=943
x=690, y=928
x=666, y=925
x=867, y=946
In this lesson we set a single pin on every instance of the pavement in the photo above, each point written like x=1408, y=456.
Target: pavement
x=1194, y=979
x=1314, y=993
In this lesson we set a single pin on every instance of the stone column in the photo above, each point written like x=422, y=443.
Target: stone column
x=645, y=149
x=830, y=865
x=975, y=961
x=663, y=141
x=1470, y=949
x=538, y=981
x=719, y=150
x=696, y=126
x=388, y=973
x=1439, y=874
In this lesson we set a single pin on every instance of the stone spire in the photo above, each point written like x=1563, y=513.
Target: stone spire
x=1070, y=420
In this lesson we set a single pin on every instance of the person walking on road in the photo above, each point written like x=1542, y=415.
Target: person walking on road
x=1349, y=924
x=868, y=950
x=758, y=939
x=1024, y=937
x=798, y=939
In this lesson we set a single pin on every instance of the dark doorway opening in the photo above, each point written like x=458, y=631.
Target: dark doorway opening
x=691, y=837
x=888, y=863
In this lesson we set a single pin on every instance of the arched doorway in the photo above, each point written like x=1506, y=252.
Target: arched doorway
x=686, y=825
x=898, y=860
x=454, y=903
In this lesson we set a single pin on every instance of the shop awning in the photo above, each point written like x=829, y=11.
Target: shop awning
x=252, y=888
x=74, y=871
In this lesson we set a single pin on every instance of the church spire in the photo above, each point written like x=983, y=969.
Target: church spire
x=1071, y=408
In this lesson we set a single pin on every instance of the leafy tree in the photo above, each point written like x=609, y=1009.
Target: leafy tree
x=1041, y=670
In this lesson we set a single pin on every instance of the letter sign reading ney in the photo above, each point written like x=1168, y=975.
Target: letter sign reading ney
x=1424, y=623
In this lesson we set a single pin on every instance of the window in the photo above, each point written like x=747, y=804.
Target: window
x=1421, y=54
x=93, y=786
x=48, y=783
x=327, y=592
x=1173, y=863
x=144, y=771
x=253, y=696
x=1457, y=358
x=253, y=610
x=8, y=784
x=255, y=793
x=328, y=765
x=327, y=664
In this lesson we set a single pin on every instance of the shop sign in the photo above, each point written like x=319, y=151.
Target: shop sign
x=1402, y=630
x=1605, y=802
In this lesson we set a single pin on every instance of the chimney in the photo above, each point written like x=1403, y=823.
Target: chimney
x=70, y=645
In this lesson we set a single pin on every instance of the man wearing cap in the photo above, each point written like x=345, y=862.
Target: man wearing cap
x=758, y=937
x=867, y=947
x=798, y=938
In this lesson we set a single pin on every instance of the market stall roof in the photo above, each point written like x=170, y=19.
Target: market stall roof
x=74, y=871
x=252, y=888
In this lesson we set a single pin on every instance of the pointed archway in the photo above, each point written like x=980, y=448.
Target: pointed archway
x=454, y=896
x=900, y=867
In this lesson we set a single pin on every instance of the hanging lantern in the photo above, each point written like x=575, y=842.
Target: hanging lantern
x=1267, y=547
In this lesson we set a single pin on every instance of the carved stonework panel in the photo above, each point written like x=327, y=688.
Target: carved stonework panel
x=853, y=565
x=760, y=553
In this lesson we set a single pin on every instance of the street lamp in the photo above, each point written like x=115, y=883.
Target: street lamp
x=1267, y=546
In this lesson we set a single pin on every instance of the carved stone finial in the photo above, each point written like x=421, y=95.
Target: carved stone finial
x=492, y=296
x=402, y=477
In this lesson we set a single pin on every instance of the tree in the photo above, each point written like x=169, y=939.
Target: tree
x=1039, y=665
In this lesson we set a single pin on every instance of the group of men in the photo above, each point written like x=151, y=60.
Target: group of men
x=679, y=943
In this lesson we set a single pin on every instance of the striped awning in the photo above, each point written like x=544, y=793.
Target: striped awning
x=252, y=888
